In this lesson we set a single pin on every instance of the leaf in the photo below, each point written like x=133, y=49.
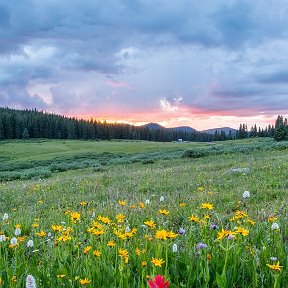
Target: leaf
x=221, y=280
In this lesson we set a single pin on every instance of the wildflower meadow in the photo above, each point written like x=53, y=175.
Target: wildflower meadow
x=183, y=222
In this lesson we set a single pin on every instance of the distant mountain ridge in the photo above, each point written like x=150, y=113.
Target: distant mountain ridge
x=188, y=129
x=226, y=130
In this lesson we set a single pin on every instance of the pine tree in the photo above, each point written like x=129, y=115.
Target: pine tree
x=281, y=129
x=25, y=134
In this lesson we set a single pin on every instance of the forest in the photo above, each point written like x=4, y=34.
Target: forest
x=25, y=124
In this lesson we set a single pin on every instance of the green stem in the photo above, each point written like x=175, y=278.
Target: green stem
x=226, y=258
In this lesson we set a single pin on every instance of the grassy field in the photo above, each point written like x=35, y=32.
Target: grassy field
x=176, y=211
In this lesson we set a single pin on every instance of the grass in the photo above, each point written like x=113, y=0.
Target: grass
x=185, y=183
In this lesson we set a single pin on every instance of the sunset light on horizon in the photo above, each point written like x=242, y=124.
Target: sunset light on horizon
x=179, y=63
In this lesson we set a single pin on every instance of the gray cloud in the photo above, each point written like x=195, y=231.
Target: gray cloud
x=214, y=55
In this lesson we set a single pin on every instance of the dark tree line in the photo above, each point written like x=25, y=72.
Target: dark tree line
x=281, y=129
x=254, y=131
x=25, y=124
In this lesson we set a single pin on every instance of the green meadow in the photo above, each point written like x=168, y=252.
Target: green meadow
x=116, y=214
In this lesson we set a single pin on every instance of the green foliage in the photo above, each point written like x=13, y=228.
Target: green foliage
x=281, y=129
x=240, y=262
x=25, y=134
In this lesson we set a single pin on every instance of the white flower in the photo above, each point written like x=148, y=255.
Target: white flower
x=246, y=194
x=93, y=214
x=30, y=243
x=5, y=216
x=2, y=238
x=17, y=231
x=30, y=282
x=161, y=198
x=147, y=201
x=275, y=226
x=13, y=241
x=127, y=229
x=175, y=248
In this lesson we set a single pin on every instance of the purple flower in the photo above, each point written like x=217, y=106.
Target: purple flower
x=214, y=226
x=182, y=231
x=231, y=237
x=201, y=245
x=273, y=258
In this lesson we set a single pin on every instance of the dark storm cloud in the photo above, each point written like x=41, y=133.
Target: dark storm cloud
x=75, y=46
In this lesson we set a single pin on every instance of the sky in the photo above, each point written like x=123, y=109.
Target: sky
x=204, y=64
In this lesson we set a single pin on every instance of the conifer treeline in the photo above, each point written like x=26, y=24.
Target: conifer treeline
x=281, y=129
x=25, y=124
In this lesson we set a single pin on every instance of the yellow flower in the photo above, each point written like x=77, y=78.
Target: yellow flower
x=84, y=281
x=75, y=216
x=97, y=225
x=242, y=231
x=208, y=206
x=96, y=253
x=164, y=212
x=21, y=239
x=207, y=217
x=161, y=234
x=151, y=224
x=111, y=244
x=104, y=220
x=120, y=218
x=64, y=238
x=194, y=218
x=142, y=205
x=56, y=227
x=61, y=275
x=14, y=278
x=41, y=233
x=240, y=214
x=17, y=226
x=182, y=204
x=272, y=218
x=83, y=203
x=250, y=222
x=87, y=249
x=171, y=235
x=137, y=251
x=157, y=261
x=1, y=281
x=275, y=267
x=97, y=232
x=122, y=202
x=143, y=263
x=35, y=225
x=224, y=233
x=123, y=253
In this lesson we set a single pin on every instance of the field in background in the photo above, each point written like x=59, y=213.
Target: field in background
x=27, y=160
x=187, y=176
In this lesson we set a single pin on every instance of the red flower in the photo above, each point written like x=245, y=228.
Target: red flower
x=159, y=282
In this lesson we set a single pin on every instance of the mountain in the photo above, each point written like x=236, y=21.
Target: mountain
x=154, y=126
x=188, y=129
x=184, y=129
x=220, y=129
x=181, y=128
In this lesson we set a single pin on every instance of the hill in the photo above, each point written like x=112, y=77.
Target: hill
x=226, y=130
x=180, y=128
